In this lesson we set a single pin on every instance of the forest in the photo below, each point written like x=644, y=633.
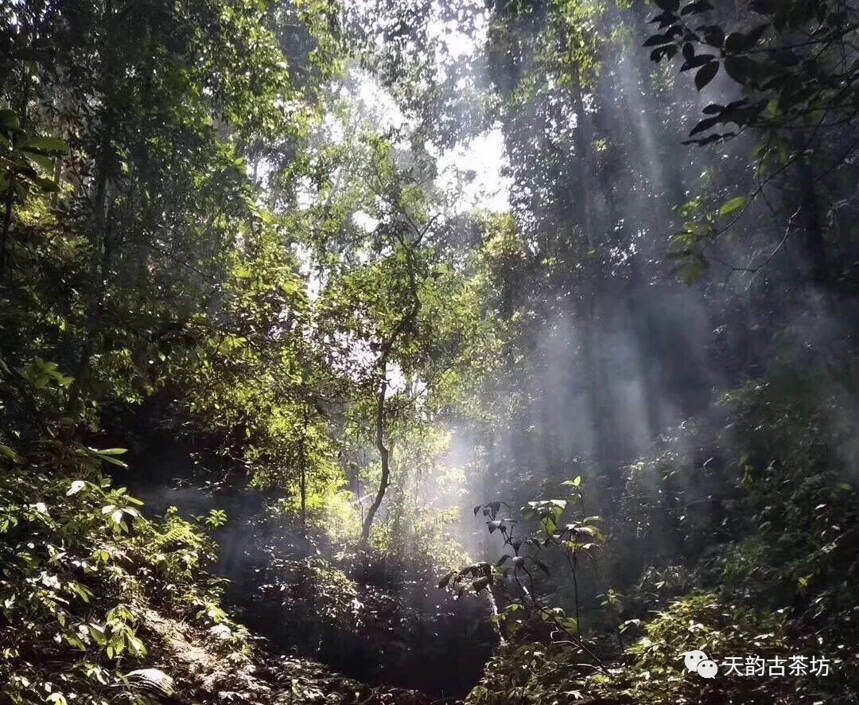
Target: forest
x=429, y=352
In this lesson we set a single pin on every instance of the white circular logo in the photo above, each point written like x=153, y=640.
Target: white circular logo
x=698, y=662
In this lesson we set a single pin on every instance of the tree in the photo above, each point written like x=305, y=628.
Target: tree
x=794, y=72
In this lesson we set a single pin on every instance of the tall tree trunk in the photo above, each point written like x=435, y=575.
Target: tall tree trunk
x=98, y=232
x=814, y=244
x=99, y=257
x=593, y=362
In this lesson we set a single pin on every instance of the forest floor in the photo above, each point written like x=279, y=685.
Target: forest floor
x=202, y=675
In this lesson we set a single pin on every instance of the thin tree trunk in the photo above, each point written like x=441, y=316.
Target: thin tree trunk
x=98, y=265
x=384, y=455
x=814, y=244
x=403, y=328
x=7, y=223
x=303, y=479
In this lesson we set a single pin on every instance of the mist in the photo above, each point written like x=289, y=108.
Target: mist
x=373, y=351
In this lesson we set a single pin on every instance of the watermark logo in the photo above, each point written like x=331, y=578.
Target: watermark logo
x=698, y=662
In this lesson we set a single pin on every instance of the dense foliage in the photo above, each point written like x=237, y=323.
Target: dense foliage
x=467, y=347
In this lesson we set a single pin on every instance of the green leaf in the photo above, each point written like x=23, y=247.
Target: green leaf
x=74, y=641
x=48, y=186
x=112, y=461
x=136, y=645
x=9, y=120
x=705, y=125
x=738, y=41
x=740, y=68
x=7, y=452
x=713, y=35
x=81, y=591
x=97, y=633
x=706, y=74
x=107, y=455
x=42, y=160
x=45, y=144
x=733, y=205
